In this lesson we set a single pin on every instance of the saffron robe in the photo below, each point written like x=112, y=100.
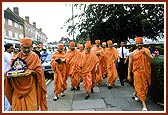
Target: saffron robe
x=27, y=93
x=111, y=55
x=87, y=65
x=72, y=60
x=142, y=73
x=60, y=74
x=100, y=54
x=104, y=62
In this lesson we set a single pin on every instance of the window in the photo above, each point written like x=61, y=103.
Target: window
x=9, y=22
x=28, y=29
x=20, y=27
x=16, y=35
x=4, y=32
x=10, y=34
x=16, y=25
x=20, y=35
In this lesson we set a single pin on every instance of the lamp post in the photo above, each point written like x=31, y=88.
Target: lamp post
x=72, y=23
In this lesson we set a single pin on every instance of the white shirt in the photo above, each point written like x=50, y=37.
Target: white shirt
x=125, y=52
x=7, y=59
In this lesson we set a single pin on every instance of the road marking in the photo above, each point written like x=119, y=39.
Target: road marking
x=48, y=80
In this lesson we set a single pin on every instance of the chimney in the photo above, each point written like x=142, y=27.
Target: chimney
x=27, y=18
x=16, y=10
x=34, y=24
x=40, y=29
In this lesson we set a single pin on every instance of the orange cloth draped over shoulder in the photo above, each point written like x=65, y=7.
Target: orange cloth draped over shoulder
x=111, y=55
x=60, y=74
x=100, y=54
x=72, y=60
x=87, y=65
x=104, y=67
x=27, y=93
x=142, y=73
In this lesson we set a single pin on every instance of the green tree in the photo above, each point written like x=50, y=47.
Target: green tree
x=119, y=21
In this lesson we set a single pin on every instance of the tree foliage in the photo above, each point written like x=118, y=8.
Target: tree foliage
x=119, y=21
x=37, y=42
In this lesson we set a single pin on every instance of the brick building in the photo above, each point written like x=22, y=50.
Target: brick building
x=15, y=27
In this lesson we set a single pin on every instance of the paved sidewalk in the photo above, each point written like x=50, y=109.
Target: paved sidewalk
x=118, y=99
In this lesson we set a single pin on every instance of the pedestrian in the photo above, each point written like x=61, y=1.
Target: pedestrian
x=104, y=45
x=80, y=50
x=78, y=44
x=156, y=53
x=111, y=55
x=151, y=49
x=98, y=50
x=44, y=54
x=60, y=75
x=16, y=49
x=7, y=58
x=104, y=66
x=88, y=64
x=65, y=49
x=26, y=91
x=72, y=58
x=123, y=63
x=35, y=49
x=116, y=46
x=139, y=64
x=80, y=47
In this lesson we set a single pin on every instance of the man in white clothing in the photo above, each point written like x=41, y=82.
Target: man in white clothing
x=7, y=58
x=123, y=62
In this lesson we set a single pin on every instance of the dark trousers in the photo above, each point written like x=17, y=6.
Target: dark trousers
x=122, y=69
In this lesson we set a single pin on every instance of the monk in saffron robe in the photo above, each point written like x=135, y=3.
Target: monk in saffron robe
x=88, y=64
x=60, y=76
x=104, y=66
x=139, y=64
x=98, y=50
x=111, y=55
x=80, y=50
x=27, y=92
x=72, y=60
x=80, y=47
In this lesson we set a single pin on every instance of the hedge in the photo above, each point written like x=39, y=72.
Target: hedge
x=156, y=90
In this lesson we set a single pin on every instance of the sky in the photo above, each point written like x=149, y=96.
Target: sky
x=50, y=16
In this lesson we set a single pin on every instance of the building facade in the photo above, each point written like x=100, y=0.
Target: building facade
x=15, y=27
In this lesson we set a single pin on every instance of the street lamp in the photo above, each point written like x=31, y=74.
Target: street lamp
x=72, y=23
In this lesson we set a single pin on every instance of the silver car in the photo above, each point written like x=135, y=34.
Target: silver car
x=47, y=67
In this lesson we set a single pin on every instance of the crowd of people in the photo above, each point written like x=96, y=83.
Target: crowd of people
x=90, y=63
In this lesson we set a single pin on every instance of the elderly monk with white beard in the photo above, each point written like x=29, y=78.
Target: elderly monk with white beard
x=27, y=92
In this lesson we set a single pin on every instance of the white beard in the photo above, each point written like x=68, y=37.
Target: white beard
x=25, y=53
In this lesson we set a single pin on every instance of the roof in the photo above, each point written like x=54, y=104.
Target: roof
x=12, y=16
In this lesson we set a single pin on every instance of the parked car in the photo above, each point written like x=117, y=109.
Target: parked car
x=47, y=67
